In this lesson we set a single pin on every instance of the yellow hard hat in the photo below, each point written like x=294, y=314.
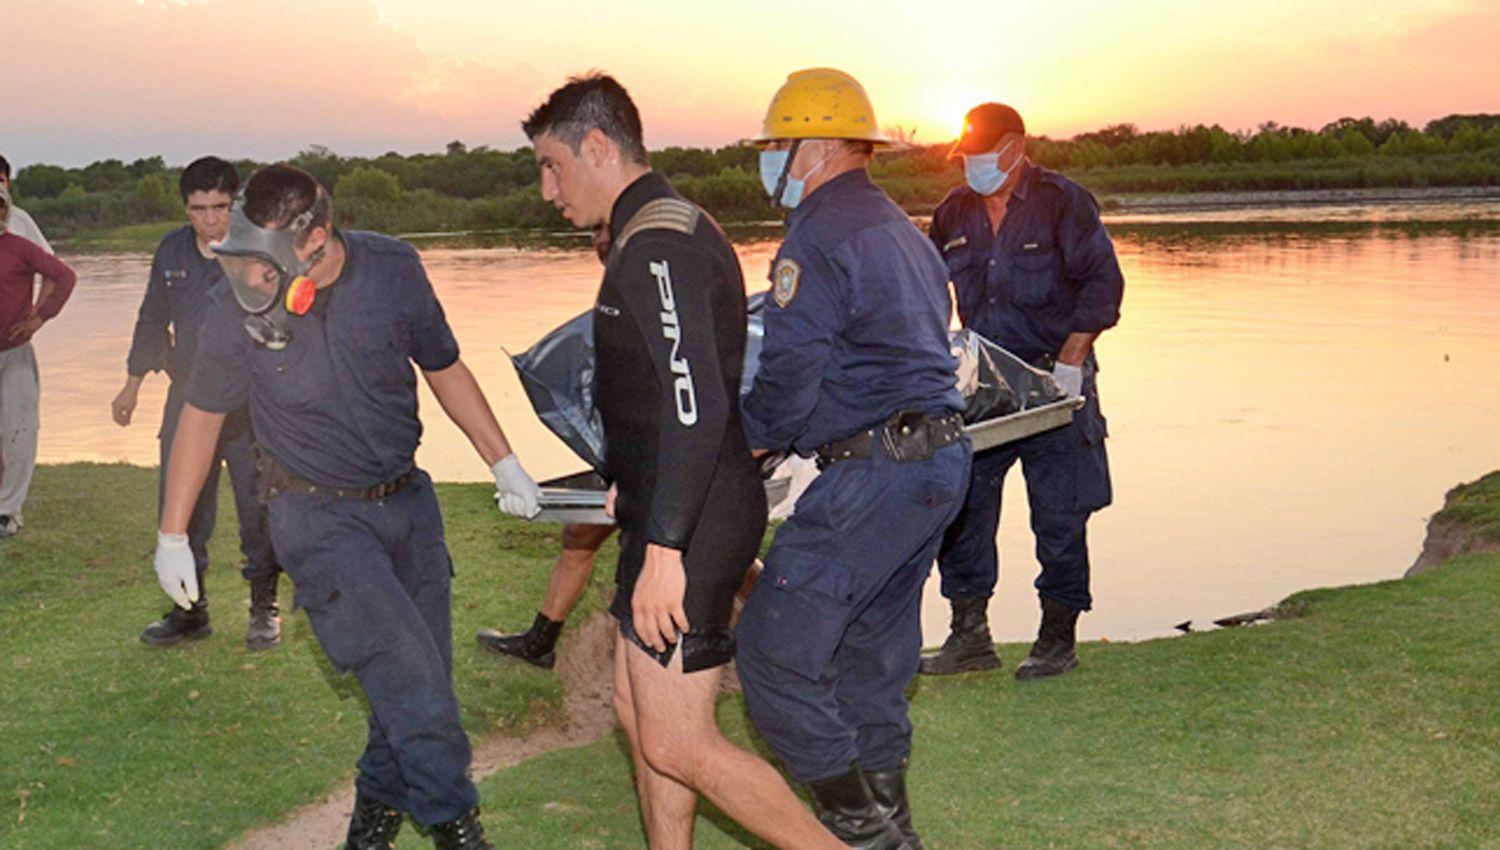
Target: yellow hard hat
x=821, y=103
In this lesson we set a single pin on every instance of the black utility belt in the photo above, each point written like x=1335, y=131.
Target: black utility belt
x=907, y=437
x=273, y=479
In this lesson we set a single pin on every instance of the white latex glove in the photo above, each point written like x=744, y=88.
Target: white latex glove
x=515, y=492
x=175, y=569
x=1069, y=378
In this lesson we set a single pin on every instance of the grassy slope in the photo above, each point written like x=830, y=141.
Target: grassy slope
x=1477, y=506
x=186, y=747
x=1370, y=721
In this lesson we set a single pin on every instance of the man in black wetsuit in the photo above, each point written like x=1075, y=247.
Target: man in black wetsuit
x=669, y=332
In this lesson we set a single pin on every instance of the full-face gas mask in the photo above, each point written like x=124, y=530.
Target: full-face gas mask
x=268, y=280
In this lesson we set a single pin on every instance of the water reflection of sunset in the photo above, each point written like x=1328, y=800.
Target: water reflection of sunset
x=1285, y=408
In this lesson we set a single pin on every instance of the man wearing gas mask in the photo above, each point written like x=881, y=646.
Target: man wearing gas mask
x=1034, y=271
x=317, y=332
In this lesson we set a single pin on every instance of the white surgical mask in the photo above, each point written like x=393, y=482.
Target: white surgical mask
x=772, y=164
x=983, y=173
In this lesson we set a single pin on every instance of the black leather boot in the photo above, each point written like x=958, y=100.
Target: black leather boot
x=373, y=826
x=1053, y=653
x=847, y=808
x=178, y=625
x=969, y=646
x=265, y=616
x=535, y=645
x=888, y=790
x=462, y=833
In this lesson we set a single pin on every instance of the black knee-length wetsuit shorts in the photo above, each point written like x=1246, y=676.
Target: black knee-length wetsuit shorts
x=669, y=340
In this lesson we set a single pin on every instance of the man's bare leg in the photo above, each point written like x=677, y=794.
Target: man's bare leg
x=570, y=575
x=678, y=736
x=649, y=784
x=575, y=563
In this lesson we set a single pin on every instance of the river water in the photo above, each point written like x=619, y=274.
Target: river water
x=1287, y=404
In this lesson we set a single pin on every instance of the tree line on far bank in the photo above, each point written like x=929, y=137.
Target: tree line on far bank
x=484, y=189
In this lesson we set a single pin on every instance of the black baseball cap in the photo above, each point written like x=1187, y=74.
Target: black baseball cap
x=984, y=126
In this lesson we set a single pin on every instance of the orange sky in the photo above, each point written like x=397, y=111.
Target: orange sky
x=87, y=79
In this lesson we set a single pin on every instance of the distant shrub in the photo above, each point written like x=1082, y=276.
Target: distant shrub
x=483, y=189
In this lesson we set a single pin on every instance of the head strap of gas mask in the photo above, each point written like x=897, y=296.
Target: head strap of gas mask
x=268, y=280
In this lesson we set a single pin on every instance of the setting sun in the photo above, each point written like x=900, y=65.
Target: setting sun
x=470, y=70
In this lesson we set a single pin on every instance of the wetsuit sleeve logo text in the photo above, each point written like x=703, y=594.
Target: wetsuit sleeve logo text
x=671, y=329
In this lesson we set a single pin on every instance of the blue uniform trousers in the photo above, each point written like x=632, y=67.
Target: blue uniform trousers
x=374, y=578
x=1067, y=478
x=236, y=450
x=832, y=634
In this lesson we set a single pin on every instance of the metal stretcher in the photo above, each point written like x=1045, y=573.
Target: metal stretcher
x=580, y=498
x=1007, y=400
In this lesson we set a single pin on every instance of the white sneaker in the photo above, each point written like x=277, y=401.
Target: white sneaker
x=9, y=526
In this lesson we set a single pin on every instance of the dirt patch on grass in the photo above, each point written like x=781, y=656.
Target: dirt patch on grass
x=585, y=664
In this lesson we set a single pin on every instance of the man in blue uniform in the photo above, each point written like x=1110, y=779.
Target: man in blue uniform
x=183, y=274
x=1034, y=271
x=317, y=332
x=855, y=370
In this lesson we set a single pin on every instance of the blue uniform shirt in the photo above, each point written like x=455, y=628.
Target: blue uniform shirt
x=338, y=405
x=1050, y=272
x=857, y=324
x=175, y=307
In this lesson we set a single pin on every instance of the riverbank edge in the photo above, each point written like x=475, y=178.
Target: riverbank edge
x=144, y=237
x=1202, y=201
x=1468, y=523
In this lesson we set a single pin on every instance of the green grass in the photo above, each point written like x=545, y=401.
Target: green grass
x=107, y=742
x=127, y=237
x=1370, y=721
x=1476, y=505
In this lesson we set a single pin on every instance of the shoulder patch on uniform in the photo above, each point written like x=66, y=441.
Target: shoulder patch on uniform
x=784, y=280
x=660, y=214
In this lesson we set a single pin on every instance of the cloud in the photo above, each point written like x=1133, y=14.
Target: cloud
x=96, y=79
x=88, y=79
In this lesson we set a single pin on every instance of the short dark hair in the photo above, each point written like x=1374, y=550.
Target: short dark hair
x=4, y=168
x=592, y=101
x=275, y=196
x=859, y=146
x=208, y=174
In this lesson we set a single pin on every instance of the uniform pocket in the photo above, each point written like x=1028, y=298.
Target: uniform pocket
x=287, y=377
x=350, y=636
x=958, y=260
x=1034, y=274
x=849, y=494
x=1092, y=425
x=1093, y=485
x=315, y=593
x=381, y=351
x=797, y=614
